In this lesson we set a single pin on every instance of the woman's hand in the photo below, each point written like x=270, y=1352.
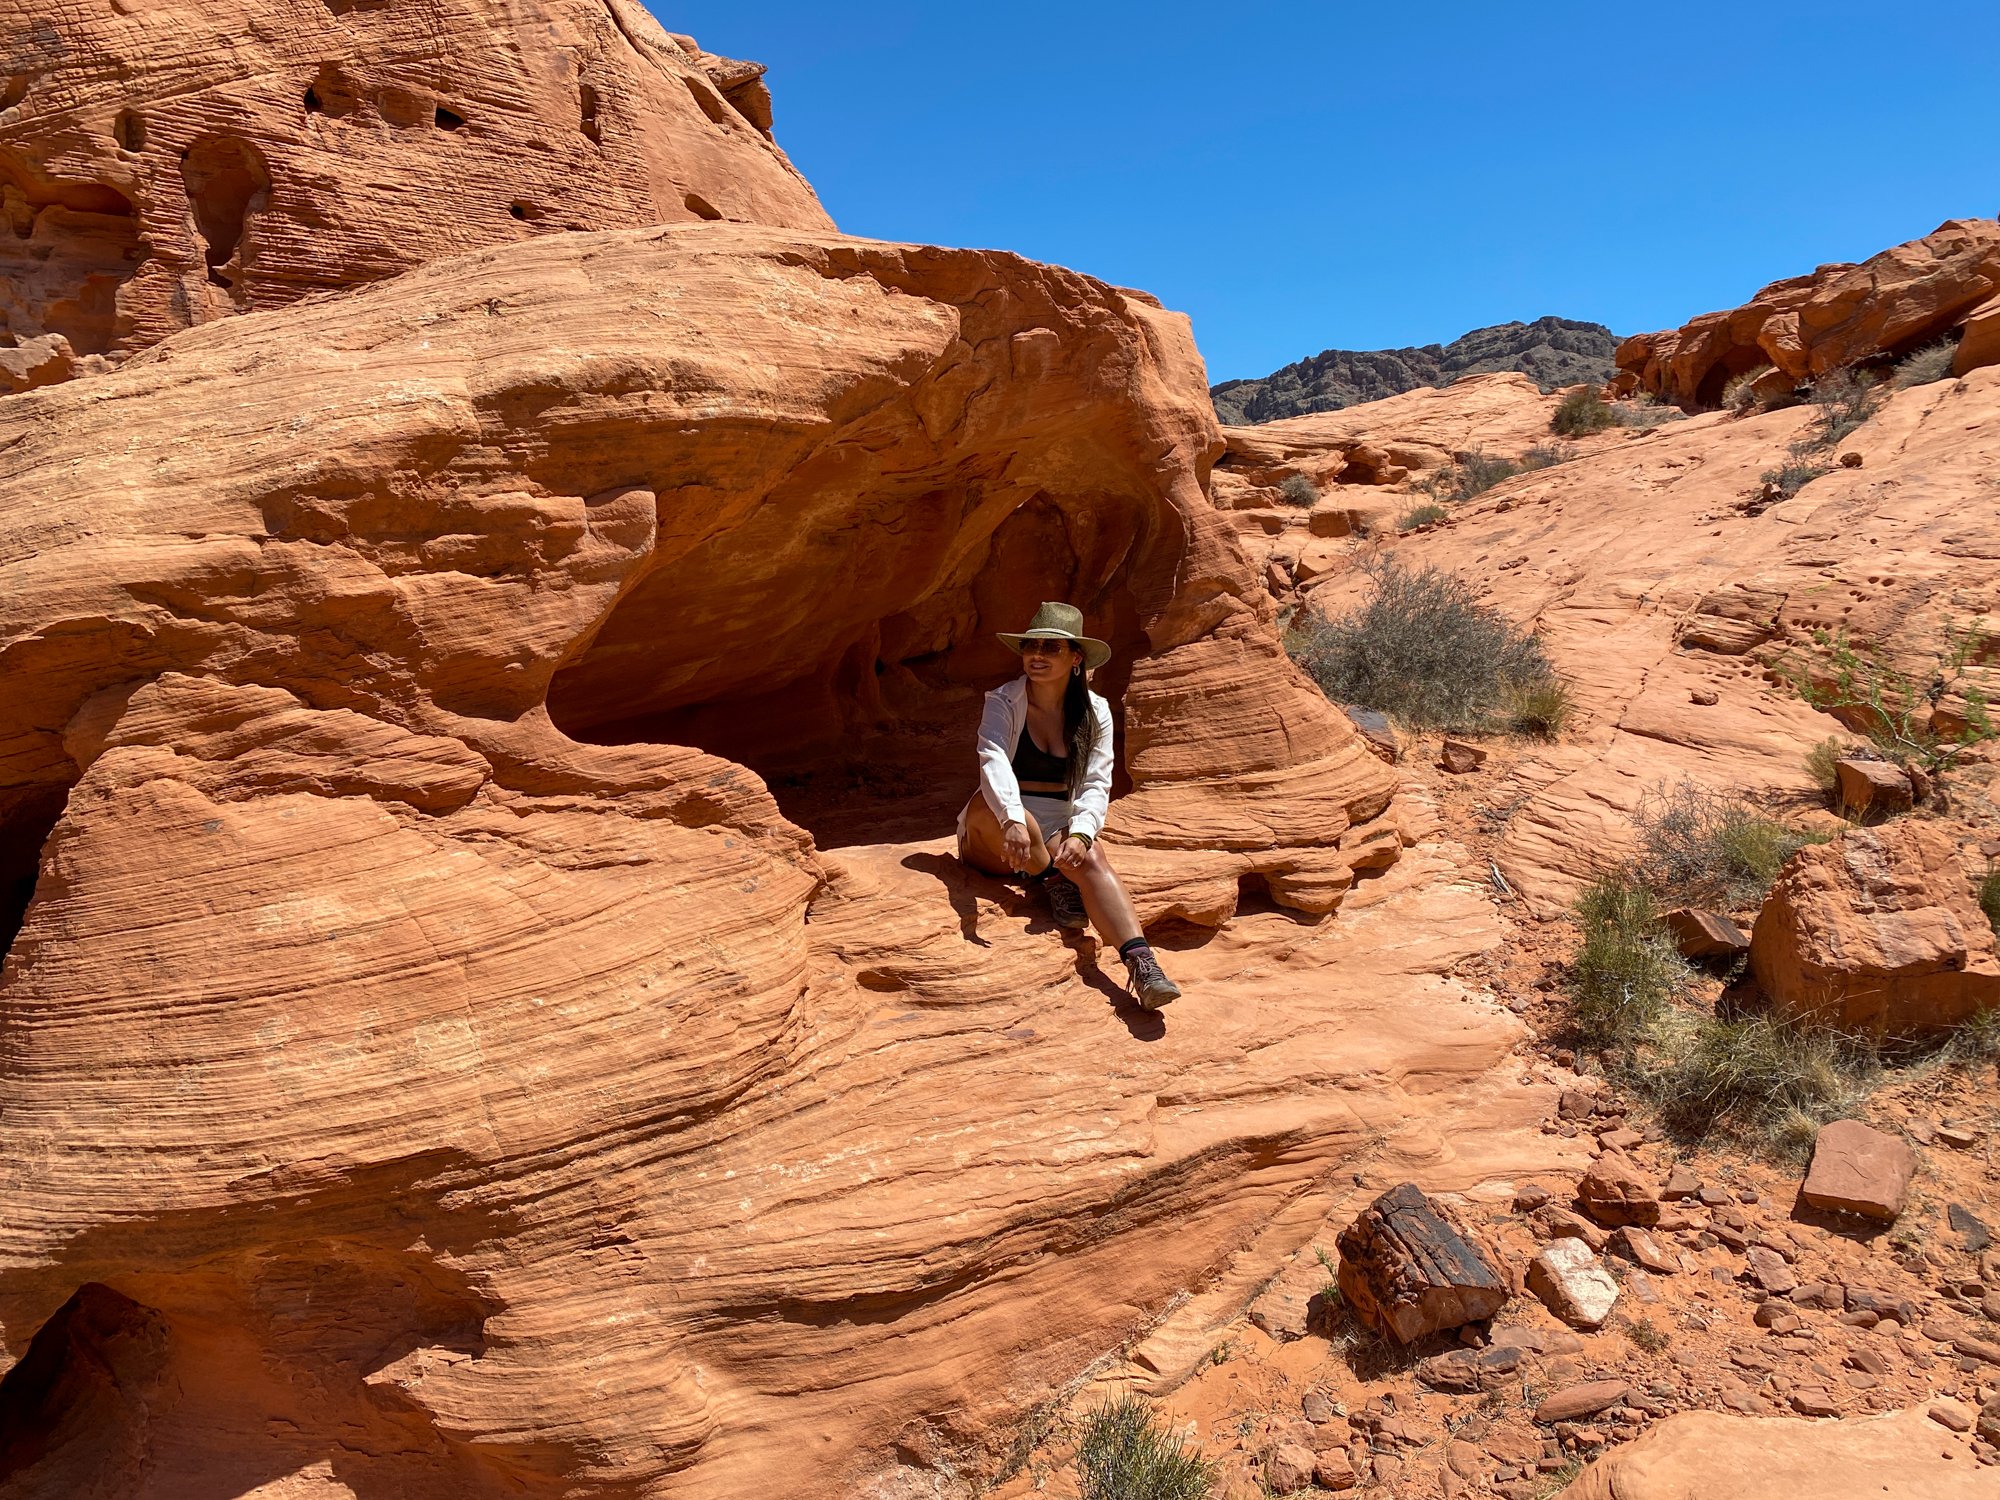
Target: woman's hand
x=1071, y=856
x=1018, y=846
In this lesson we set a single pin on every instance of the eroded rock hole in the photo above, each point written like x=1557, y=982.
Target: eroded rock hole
x=700, y=207
x=15, y=89
x=228, y=182
x=24, y=830
x=331, y=94
x=129, y=130
x=587, y=105
x=67, y=247
x=74, y=1410
x=839, y=642
x=313, y=105
x=449, y=119
x=401, y=107
x=525, y=212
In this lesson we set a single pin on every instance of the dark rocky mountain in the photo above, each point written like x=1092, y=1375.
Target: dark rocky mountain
x=1552, y=351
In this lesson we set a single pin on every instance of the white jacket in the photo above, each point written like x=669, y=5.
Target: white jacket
x=1000, y=730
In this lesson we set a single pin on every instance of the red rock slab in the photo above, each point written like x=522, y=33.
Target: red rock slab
x=1585, y=1400
x=1780, y=1458
x=1859, y=1170
x=1706, y=934
x=1872, y=785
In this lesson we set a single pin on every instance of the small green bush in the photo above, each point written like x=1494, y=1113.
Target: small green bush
x=1701, y=848
x=1820, y=763
x=1789, y=479
x=1126, y=1455
x=1739, y=396
x=1626, y=972
x=1421, y=515
x=1543, y=456
x=1421, y=647
x=1989, y=896
x=1894, y=708
x=1474, y=474
x=1583, y=411
x=1932, y=362
x=1296, y=489
x=1647, y=410
x=1846, y=400
x=1753, y=1075
x=1540, y=707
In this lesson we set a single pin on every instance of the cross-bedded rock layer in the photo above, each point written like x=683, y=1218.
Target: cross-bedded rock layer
x=479, y=1110
x=166, y=163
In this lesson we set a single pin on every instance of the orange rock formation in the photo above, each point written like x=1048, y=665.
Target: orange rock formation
x=168, y=163
x=1945, y=284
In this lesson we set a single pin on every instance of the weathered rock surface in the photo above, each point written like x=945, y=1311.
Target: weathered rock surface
x=1877, y=931
x=169, y=163
x=1706, y=1453
x=1647, y=579
x=418, y=1012
x=1706, y=934
x=1615, y=1192
x=1407, y=1269
x=1572, y=1284
x=1858, y=1169
x=1892, y=303
x=1878, y=786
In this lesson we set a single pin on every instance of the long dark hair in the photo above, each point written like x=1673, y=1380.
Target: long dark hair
x=1079, y=725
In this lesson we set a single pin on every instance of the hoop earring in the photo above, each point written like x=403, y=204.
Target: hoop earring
x=1076, y=671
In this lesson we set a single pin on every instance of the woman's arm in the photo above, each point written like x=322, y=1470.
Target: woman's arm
x=1093, y=796
x=997, y=782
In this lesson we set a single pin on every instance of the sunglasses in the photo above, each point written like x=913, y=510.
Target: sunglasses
x=1035, y=645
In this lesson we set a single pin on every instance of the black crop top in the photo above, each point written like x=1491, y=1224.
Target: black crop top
x=1032, y=763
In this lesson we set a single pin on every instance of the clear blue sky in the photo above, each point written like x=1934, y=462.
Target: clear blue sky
x=1302, y=176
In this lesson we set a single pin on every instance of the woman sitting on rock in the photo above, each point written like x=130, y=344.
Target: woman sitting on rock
x=1044, y=787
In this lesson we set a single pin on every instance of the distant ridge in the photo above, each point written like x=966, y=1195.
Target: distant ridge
x=1552, y=351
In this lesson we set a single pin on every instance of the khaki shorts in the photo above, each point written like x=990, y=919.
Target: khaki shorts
x=1051, y=815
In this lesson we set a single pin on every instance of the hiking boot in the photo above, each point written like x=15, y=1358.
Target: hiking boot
x=1066, y=903
x=1149, y=986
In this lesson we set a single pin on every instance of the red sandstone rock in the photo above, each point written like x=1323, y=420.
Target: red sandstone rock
x=1705, y=1453
x=1614, y=1192
x=1860, y=1170
x=1906, y=296
x=417, y=974
x=1877, y=931
x=173, y=162
x=1706, y=934
x=1872, y=786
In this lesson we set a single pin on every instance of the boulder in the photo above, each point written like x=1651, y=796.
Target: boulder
x=1586, y=1400
x=1857, y=1169
x=1872, y=786
x=1407, y=1269
x=1333, y=1470
x=1459, y=757
x=1721, y=1456
x=1289, y=1469
x=1636, y=1245
x=1877, y=932
x=1701, y=934
x=1572, y=1284
x=1613, y=1191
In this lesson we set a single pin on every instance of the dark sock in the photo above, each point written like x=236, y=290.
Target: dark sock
x=1126, y=949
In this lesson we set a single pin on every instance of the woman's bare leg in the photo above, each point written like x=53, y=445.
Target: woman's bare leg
x=985, y=842
x=1105, y=899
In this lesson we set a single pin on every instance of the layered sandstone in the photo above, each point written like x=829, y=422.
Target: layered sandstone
x=165, y=164
x=1674, y=598
x=426, y=1018
x=1945, y=285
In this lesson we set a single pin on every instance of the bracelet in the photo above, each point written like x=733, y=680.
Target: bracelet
x=1088, y=841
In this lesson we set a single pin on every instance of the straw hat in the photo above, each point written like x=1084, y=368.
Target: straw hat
x=1061, y=622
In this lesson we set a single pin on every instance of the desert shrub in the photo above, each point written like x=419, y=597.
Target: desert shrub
x=1646, y=410
x=1739, y=396
x=1646, y=1336
x=1542, y=456
x=1296, y=489
x=1421, y=515
x=1421, y=647
x=1894, y=708
x=1989, y=896
x=1540, y=707
x=1700, y=847
x=1626, y=971
x=1846, y=399
x=1753, y=1075
x=1126, y=1455
x=1932, y=362
x=1820, y=762
x=1789, y=479
x=1976, y=1039
x=1474, y=474
x=1583, y=411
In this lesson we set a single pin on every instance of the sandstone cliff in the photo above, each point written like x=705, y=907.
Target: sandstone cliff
x=169, y=163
